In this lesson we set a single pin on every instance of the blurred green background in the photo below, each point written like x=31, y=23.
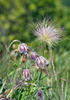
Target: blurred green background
x=17, y=16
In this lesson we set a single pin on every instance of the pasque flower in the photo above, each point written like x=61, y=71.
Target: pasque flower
x=22, y=48
x=34, y=55
x=47, y=32
x=41, y=62
x=26, y=74
x=39, y=95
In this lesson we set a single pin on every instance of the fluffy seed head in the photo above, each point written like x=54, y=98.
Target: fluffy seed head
x=47, y=32
x=41, y=62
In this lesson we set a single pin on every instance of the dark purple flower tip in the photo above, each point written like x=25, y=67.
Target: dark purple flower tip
x=39, y=95
x=34, y=55
x=22, y=48
x=26, y=74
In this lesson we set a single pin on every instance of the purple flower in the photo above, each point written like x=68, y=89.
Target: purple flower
x=39, y=95
x=34, y=55
x=26, y=74
x=41, y=62
x=22, y=48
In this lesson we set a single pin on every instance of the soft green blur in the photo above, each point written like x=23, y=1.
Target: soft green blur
x=17, y=17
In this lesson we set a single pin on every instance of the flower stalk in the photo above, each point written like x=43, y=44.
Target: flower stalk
x=52, y=62
x=13, y=43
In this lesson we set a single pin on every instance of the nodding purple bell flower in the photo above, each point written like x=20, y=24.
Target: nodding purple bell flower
x=34, y=55
x=26, y=74
x=39, y=95
x=41, y=62
x=22, y=48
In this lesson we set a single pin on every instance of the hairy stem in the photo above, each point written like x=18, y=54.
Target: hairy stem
x=52, y=63
x=13, y=43
x=62, y=90
x=40, y=75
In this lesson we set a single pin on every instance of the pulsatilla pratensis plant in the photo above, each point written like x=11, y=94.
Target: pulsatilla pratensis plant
x=40, y=64
x=31, y=73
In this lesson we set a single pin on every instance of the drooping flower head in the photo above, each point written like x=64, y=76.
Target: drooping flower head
x=26, y=74
x=22, y=48
x=41, y=62
x=39, y=95
x=47, y=32
x=34, y=55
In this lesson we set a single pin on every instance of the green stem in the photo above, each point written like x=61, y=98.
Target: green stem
x=40, y=75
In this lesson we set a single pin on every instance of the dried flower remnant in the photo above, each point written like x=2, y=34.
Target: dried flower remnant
x=24, y=59
x=39, y=95
x=34, y=55
x=26, y=74
x=47, y=33
x=22, y=48
x=41, y=62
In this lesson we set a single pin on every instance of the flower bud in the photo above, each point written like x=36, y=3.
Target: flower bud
x=34, y=55
x=22, y=48
x=41, y=62
x=26, y=74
